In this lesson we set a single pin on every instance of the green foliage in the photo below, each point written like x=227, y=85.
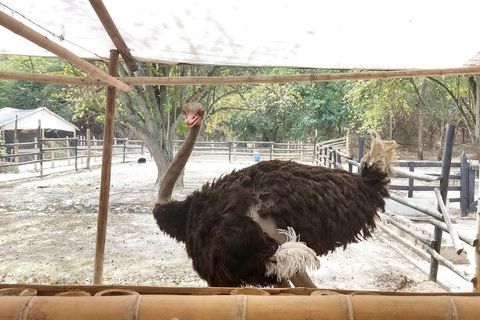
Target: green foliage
x=371, y=102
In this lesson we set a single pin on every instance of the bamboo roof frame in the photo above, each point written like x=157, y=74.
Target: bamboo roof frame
x=232, y=80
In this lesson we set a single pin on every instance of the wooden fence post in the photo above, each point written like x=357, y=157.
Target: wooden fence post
x=52, y=154
x=125, y=142
x=35, y=148
x=89, y=148
x=471, y=189
x=464, y=179
x=447, y=161
x=330, y=156
x=16, y=156
x=40, y=146
x=411, y=181
x=75, y=150
x=229, y=152
x=361, y=147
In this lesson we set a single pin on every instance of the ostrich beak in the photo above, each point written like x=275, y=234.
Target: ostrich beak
x=191, y=120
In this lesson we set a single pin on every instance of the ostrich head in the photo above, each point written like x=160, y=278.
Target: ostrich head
x=193, y=113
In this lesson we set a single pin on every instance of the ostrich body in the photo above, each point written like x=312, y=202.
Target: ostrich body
x=231, y=226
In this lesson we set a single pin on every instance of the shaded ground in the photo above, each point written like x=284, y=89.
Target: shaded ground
x=48, y=227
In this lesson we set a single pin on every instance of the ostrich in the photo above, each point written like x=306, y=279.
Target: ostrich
x=242, y=228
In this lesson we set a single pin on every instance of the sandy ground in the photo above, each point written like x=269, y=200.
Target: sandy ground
x=48, y=231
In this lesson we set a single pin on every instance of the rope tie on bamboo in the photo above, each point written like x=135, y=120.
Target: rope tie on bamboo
x=26, y=309
x=349, y=306
x=453, y=307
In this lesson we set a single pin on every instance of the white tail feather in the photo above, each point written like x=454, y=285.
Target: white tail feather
x=291, y=257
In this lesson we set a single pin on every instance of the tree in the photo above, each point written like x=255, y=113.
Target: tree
x=464, y=94
x=153, y=113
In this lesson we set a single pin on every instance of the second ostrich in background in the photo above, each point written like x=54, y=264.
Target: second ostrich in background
x=242, y=228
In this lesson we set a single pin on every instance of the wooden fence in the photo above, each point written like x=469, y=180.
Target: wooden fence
x=331, y=156
x=251, y=150
x=62, y=151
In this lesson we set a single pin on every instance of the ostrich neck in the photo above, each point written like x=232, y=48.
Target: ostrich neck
x=177, y=165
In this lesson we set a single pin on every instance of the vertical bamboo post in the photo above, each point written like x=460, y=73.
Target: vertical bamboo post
x=89, y=148
x=106, y=170
x=447, y=162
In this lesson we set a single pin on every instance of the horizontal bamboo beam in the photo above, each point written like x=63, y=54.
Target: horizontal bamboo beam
x=48, y=78
x=328, y=77
x=173, y=81
x=114, y=34
x=40, y=40
x=324, y=305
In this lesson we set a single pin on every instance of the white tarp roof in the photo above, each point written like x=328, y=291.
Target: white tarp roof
x=341, y=34
x=28, y=120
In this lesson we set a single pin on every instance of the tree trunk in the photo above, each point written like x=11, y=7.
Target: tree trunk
x=476, y=137
x=421, y=109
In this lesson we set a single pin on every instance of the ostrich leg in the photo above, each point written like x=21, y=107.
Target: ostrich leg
x=302, y=280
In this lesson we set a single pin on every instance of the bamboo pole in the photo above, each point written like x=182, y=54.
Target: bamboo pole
x=174, y=81
x=321, y=304
x=446, y=218
x=47, y=78
x=106, y=170
x=114, y=34
x=40, y=40
x=328, y=77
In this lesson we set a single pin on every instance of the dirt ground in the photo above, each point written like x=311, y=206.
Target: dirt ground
x=48, y=232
